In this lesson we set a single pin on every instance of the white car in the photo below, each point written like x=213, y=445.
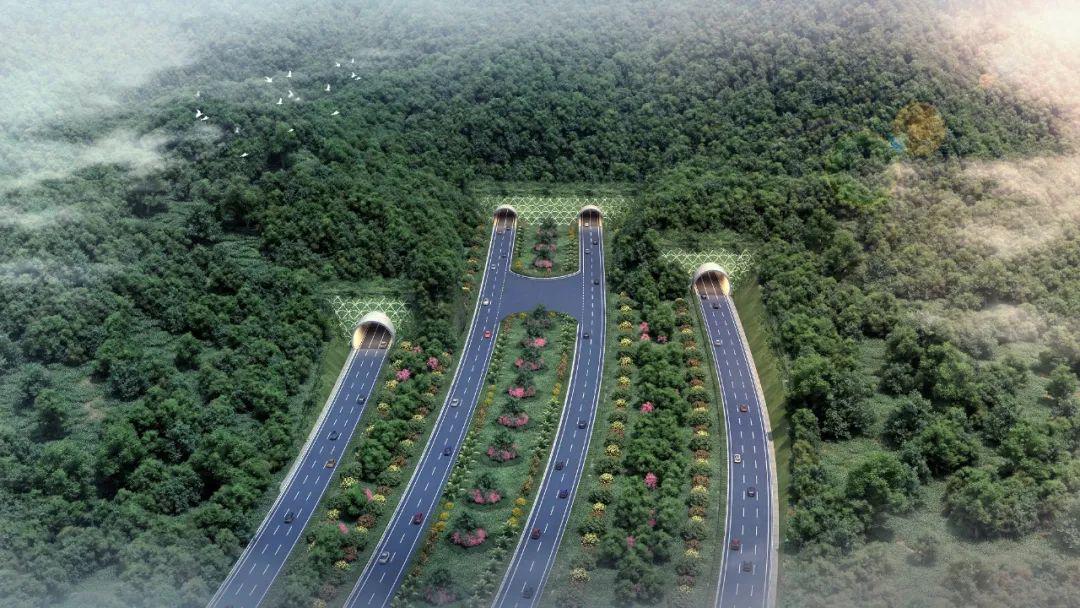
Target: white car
x=384, y=557
x=486, y=302
x=586, y=224
x=456, y=401
x=738, y=458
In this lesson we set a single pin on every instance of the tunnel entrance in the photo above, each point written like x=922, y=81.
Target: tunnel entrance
x=505, y=216
x=711, y=279
x=590, y=215
x=375, y=330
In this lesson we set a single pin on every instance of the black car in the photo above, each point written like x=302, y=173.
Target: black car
x=716, y=305
x=582, y=423
x=290, y=517
x=334, y=435
x=585, y=335
x=596, y=281
x=595, y=241
x=563, y=493
x=528, y=592
x=560, y=465
x=748, y=566
x=704, y=296
x=447, y=451
x=751, y=492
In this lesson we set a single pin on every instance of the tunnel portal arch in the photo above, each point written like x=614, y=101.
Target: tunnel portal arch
x=374, y=330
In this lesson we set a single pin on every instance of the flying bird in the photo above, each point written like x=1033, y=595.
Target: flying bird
x=198, y=94
x=244, y=155
x=352, y=61
x=290, y=93
x=353, y=76
x=289, y=75
x=328, y=86
x=279, y=101
x=268, y=78
x=337, y=64
x=205, y=117
x=335, y=113
x=198, y=112
x=236, y=130
x=291, y=130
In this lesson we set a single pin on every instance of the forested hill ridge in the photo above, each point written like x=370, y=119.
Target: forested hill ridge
x=161, y=321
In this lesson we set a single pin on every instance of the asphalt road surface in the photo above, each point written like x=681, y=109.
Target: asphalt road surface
x=529, y=567
x=744, y=579
x=379, y=581
x=259, y=564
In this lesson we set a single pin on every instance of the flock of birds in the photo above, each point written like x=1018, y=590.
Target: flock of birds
x=202, y=116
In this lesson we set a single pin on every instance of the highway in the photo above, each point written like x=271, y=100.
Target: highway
x=262, y=559
x=531, y=562
x=379, y=581
x=747, y=577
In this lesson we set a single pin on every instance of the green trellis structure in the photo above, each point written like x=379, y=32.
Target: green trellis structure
x=736, y=264
x=349, y=311
x=562, y=209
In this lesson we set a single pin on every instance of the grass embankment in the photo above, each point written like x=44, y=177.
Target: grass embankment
x=499, y=467
x=747, y=296
x=564, y=259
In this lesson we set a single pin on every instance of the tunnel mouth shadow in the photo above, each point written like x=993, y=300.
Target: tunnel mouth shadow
x=374, y=330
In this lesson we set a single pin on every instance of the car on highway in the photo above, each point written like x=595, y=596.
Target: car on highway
x=492, y=267
x=503, y=255
x=704, y=296
x=418, y=518
x=596, y=241
x=751, y=492
x=528, y=592
x=596, y=281
x=290, y=517
x=744, y=408
x=585, y=335
x=563, y=493
x=748, y=566
x=447, y=451
x=718, y=342
x=560, y=465
x=487, y=334
x=586, y=224
x=536, y=532
x=383, y=343
x=331, y=463
x=582, y=423
x=588, y=251
x=384, y=557
x=738, y=458
x=360, y=399
x=486, y=302
x=716, y=305
x=333, y=435
x=456, y=401
x=736, y=544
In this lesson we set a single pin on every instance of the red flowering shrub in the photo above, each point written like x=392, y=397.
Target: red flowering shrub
x=651, y=480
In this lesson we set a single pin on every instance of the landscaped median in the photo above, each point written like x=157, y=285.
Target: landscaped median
x=650, y=507
x=499, y=466
x=546, y=249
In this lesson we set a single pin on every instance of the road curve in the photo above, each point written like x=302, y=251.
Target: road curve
x=747, y=577
x=254, y=572
x=523, y=583
x=379, y=581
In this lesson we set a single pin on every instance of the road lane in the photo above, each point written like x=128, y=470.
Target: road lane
x=523, y=583
x=258, y=566
x=747, y=574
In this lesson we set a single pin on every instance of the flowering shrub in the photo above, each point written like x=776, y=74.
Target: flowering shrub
x=650, y=480
x=607, y=479
x=630, y=541
x=467, y=531
x=479, y=497
x=646, y=407
x=403, y=375
x=432, y=363
x=502, y=454
x=516, y=392
x=543, y=264
x=513, y=422
x=590, y=539
x=579, y=575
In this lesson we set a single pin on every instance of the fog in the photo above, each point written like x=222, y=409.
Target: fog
x=64, y=62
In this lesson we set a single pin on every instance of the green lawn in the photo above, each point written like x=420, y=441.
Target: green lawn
x=566, y=253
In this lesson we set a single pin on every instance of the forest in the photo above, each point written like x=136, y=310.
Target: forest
x=161, y=323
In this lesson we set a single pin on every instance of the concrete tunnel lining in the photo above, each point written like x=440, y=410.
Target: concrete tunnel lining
x=372, y=319
x=709, y=269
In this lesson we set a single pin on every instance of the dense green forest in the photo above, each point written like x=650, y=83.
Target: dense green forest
x=159, y=326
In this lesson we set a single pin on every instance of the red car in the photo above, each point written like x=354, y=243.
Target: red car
x=736, y=544
x=418, y=518
x=744, y=408
x=536, y=533
x=487, y=334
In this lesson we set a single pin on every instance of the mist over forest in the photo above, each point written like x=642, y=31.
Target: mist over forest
x=172, y=221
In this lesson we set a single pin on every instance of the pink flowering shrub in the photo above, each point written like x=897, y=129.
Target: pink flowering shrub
x=539, y=342
x=403, y=375
x=480, y=497
x=417, y=349
x=647, y=407
x=501, y=454
x=645, y=337
x=342, y=528
x=651, y=480
x=662, y=339
x=432, y=363
x=516, y=392
x=469, y=539
x=368, y=494
x=630, y=541
x=643, y=327
x=514, y=421
x=543, y=264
